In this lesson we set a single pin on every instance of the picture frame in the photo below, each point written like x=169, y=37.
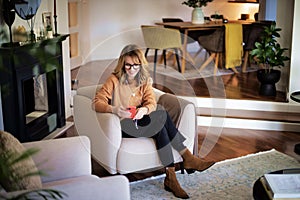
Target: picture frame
x=47, y=21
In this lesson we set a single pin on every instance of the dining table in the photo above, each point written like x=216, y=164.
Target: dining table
x=188, y=26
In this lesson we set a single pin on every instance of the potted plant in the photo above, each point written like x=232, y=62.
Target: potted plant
x=197, y=14
x=270, y=56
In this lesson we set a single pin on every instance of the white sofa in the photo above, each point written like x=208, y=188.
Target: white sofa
x=67, y=162
x=124, y=155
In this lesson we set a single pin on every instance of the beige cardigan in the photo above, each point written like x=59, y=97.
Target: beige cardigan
x=112, y=93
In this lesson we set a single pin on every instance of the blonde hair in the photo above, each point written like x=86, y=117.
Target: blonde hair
x=137, y=55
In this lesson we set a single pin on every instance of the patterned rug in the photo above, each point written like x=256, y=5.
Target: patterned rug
x=193, y=73
x=230, y=179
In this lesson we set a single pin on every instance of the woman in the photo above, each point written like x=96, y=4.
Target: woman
x=130, y=86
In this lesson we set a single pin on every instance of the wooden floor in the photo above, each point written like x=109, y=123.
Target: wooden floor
x=231, y=143
x=233, y=86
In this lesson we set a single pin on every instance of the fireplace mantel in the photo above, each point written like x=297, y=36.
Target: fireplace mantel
x=20, y=66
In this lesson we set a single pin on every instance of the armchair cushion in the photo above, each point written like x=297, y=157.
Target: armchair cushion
x=173, y=105
x=11, y=145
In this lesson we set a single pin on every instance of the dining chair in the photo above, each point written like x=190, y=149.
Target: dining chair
x=251, y=34
x=224, y=44
x=192, y=36
x=214, y=44
x=160, y=38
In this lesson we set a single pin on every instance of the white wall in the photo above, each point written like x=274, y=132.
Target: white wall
x=285, y=22
x=271, y=6
x=115, y=23
x=295, y=51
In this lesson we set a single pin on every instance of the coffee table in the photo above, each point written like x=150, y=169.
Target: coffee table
x=259, y=192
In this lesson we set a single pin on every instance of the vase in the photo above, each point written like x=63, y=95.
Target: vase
x=49, y=34
x=197, y=16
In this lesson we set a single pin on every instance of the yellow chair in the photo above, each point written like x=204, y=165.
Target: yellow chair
x=160, y=38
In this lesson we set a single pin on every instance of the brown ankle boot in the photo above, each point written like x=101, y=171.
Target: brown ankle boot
x=171, y=184
x=192, y=163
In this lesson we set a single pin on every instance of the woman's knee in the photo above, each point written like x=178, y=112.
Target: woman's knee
x=162, y=138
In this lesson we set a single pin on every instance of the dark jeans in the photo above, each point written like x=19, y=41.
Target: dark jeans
x=159, y=126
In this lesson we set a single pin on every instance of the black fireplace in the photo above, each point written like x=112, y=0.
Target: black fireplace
x=32, y=88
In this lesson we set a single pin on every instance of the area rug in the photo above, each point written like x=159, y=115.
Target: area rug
x=230, y=179
x=194, y=73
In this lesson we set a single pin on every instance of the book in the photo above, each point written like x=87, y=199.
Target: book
x=282, y=186
x=266, y=187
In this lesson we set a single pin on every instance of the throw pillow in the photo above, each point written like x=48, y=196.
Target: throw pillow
x=9, y=144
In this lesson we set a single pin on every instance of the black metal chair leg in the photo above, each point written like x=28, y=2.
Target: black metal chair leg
x=177, y=59
x=165, y=58
x=181, y=167
x=146, y=52
x=155, y=59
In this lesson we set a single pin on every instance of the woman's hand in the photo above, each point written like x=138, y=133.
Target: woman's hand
x=140, y=113
x=121, y=111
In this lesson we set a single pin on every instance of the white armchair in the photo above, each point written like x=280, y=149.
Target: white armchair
x=67, y=162
x=124, y=155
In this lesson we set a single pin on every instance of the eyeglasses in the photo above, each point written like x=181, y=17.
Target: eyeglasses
x=134, y=66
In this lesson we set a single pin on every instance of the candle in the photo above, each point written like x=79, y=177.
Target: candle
x=54, y=7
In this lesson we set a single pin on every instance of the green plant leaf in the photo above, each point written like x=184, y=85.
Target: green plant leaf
x=196, y=3
x=268, y=51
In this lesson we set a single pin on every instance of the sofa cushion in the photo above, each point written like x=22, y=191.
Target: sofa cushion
x=17, y=180
x=91, y=187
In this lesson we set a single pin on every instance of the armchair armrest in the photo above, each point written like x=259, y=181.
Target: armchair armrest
x=188, y=127
x=183, y=113
x=62, y=158
x=103, y=129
